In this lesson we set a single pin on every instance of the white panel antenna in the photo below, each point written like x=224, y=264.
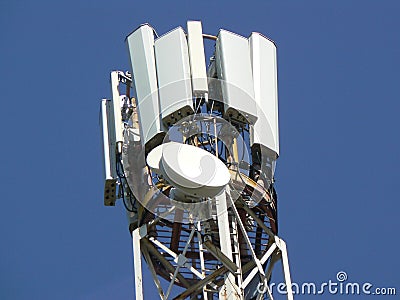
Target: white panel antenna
x=108, y=139
x=234, y=68
x=263, y=60
x=116, y=111
x=173, y=75
x=141, y=51
x=197, y=58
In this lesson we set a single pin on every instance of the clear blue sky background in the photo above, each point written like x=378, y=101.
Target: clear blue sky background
x=337, y=177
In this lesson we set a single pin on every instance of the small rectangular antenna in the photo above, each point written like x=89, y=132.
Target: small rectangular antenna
x=197, y=58
x=109, y=160
x=116, y=109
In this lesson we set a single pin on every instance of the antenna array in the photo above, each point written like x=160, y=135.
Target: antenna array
x=191, y=151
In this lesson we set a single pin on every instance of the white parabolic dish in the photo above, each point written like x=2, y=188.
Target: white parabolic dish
x=154, y=158
x=192, y=169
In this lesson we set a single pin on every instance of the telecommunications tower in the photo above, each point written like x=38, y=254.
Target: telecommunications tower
x=190, y=148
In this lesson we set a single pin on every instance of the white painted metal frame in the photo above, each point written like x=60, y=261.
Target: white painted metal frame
x=246, y=237
x=285, y=264
x=201, y=255
x=229, y=290
x=154, y=275
x=176, y=256
x=137, y=263
x=180, y=259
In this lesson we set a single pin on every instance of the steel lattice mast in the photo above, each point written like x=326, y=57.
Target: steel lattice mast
x=191, y=151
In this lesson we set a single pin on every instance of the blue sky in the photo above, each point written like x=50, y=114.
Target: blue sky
x=337, y=176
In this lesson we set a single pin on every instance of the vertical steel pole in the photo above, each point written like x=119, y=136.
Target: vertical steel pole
x=137, y=262
x=285, y=264
x=229, y=289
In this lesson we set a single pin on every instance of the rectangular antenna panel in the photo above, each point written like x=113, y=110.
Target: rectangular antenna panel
x=109, y=158
x=263, y=60
x=197, y=58
x=141, y=51
x=234, y=68
x=116, y=107
x=173, y=74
